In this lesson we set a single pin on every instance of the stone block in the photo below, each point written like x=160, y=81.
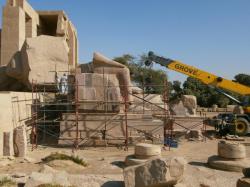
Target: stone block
x=155, y=172
x=100, y=92
x=20, y=141
x=145, y=151
x=39, y=56
x=231, y=150
x=7, y=144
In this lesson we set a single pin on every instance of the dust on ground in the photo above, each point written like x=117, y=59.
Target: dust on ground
x=109, y=161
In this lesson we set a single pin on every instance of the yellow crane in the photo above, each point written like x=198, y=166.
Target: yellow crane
x=241, y=122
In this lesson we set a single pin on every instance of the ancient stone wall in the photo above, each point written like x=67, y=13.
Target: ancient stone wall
x=35, y=45
x=15, y=111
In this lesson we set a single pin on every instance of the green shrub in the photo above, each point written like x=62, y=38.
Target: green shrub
x=60, y=156
x=5, y=182
x=52, y=185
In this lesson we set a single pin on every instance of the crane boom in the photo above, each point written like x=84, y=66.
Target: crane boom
x=203, y=76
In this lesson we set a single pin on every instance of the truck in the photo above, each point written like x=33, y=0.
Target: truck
x=228, y=123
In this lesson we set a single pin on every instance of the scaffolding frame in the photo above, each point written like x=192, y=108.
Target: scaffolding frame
x=72, y=107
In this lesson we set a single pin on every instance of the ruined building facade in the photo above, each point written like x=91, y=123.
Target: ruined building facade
x=34, y=44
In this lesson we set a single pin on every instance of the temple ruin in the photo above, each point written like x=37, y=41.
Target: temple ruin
x=100, y=105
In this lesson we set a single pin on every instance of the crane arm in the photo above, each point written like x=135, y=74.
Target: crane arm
x=203, y=76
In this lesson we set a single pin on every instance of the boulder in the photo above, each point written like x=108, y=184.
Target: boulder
x=20, y=141
x=177, y=166
x=231, y=150
x=38, y=57
x=243, y=182
x=149, y=173
x=7, y=144
x=146, y=151
x=155, y=172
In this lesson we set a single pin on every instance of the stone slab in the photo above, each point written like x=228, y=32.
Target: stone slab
x=20, y=141
x=7, y=144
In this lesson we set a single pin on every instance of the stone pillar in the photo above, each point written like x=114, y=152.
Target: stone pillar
x=31, y=28
x=7, y=144
x=72, y=43
x=20, y=141
x=13, y=32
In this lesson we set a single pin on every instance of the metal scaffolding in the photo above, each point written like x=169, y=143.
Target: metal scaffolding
x=49, y=108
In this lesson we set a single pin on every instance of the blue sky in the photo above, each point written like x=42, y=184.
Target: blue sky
x=213, y=35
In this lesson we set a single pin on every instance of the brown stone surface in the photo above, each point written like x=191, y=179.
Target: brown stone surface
x=26, y=55
x=39, y=56
x=12, y=39
x=154, y=172
x=94, y=88
x=15, y=109
x=20, y=141
x=149, y=173
x=7, y=144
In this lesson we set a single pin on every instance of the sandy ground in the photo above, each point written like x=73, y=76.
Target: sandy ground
x=109, y=161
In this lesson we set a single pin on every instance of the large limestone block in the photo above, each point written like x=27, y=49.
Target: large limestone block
x=150, y=173
x=7, y=144
x=231, y=150
x=144, y=151
x=155, y=172
x=93, y=87
x=39, y=57
x=20, y=141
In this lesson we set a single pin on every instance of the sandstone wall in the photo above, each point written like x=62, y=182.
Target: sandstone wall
x=15, y=111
